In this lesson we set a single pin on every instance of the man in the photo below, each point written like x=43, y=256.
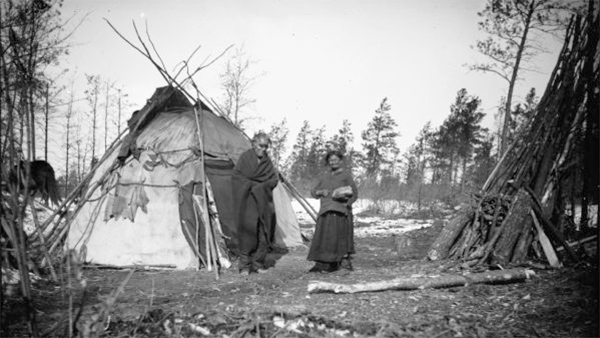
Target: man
x=254, y=178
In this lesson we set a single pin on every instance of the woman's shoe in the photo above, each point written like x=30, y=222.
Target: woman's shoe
x=330, y=267
x=325, y=267
x=347, y=264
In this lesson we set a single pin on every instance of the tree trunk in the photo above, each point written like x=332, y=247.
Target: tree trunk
x=46, y=122
x=523, y=244
x=517, y=221
x=94, y=119
x=119, y=114
x=513, y=80
x=464, y=176
x=67, y=147
x=31, y=122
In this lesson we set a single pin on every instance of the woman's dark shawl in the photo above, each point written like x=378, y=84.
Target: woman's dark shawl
x=253, y=183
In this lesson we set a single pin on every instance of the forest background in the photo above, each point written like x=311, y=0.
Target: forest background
x=396, y=143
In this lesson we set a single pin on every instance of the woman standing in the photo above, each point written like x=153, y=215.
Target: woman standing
x=333, y=241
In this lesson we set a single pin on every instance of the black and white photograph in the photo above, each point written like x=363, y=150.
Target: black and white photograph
x=299, y=168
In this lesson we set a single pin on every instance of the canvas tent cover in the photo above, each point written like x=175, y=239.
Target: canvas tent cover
x=143, y=195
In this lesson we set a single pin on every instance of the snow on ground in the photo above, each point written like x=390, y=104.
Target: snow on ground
x=371, y=225
x=386, y=227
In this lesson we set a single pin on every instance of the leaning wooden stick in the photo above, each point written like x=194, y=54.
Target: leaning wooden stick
x=434, y=282
x=309, y=209
x=43, y=244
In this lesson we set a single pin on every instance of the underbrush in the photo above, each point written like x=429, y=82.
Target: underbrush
x=389, y=208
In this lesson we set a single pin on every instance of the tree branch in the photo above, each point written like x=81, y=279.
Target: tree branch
x=139, y=50
x=185, y=63
x=207, y=65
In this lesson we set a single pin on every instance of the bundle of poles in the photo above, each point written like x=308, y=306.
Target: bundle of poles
x=523, y=198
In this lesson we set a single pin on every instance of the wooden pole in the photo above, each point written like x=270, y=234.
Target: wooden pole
x=546, y=244
x=205, y=216
x=42, y=240
x=537, y=207
x=309, y=209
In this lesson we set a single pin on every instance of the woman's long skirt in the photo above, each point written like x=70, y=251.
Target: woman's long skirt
x=333, y=239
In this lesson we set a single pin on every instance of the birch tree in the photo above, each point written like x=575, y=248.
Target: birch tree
x=237, y=82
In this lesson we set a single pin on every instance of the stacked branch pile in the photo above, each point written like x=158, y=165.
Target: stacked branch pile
x=524, y=196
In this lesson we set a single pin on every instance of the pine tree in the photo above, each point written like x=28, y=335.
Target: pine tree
x=453, y=143
x=299, y=158
x=278, y=134
x=511, y=26
x=483, y=162
x=379, y=140
x=342, y=141
x=417, y=157
x=316, y=154
x=522, y=113
x=468, y=119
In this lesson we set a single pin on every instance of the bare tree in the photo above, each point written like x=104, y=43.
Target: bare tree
x=68, y=116
x=51, y=96
x=121, y=104
x=108, y=86
x=80, y=152
x=237, y=81
x=92, y=96
x=31, y=37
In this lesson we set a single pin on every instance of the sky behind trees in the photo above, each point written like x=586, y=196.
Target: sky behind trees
x=321, y=61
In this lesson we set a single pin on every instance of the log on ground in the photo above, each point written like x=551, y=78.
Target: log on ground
x=435, y=282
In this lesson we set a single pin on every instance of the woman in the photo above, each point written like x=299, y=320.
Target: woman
x=333, y=242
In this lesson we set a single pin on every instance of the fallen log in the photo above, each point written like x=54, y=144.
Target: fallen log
x=424, y=282
x=130, y=267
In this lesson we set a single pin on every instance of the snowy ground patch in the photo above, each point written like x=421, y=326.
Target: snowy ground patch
x=386, y=227
x=366, y=226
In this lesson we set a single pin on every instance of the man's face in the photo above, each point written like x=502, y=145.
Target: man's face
x=260, y=146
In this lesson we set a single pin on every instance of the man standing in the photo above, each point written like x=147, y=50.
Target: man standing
x=254, y=178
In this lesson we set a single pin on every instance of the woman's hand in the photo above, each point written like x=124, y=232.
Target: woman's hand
x=323, y=193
